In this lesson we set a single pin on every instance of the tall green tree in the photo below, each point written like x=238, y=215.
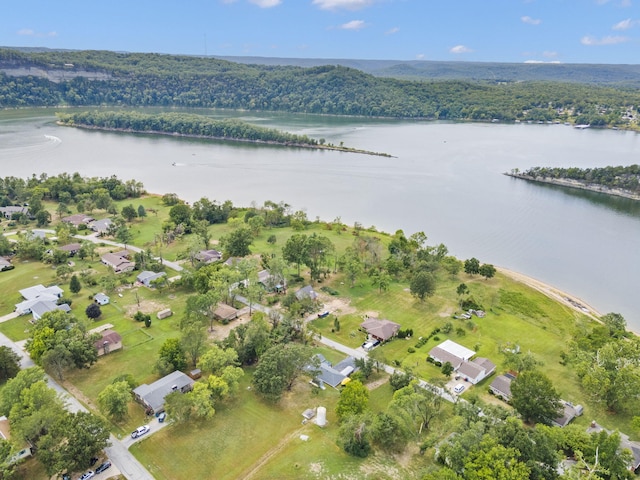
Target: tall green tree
x=114, y=400
x=354, y=400
x=535, y=398
x=295, y=250
x=422, y=285
x=9, y=363
x=74, y=284
x=278, y=368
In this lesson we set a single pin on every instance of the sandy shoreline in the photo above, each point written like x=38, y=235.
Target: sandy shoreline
x=570, y=301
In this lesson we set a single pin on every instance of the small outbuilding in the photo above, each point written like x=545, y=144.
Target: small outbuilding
x=225, y=313
x=101, y=299
x=166, y=313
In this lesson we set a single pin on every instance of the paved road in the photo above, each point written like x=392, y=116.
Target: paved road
x=124, y=461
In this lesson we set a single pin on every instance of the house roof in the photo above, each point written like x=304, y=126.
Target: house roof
x=502, y=384
x=110, y=336
x=208, y=255
x=225, y=311
x=485, y=363
x=470, y=369
x=71, y=247
x=39, y=290
x=146, y=277
x=333, y=374
x=263, y=276
x=99, y=297
x=383, y=329
x=443, y=356
x=43, y=306
x=306, y=291
x=456, y=349
x=101, y=225
x=78, y=218
x=153, y=395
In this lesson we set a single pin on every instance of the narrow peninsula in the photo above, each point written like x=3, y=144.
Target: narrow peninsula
x=196, y=126
x=618, y=181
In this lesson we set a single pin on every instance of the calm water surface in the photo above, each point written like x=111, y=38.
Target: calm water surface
x=446, y=180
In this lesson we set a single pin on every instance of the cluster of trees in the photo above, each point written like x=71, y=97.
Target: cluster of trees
x=63, y=441
x=108, y=78
x=607, y=360
x=182, y=123
x=59, y=342
x=624, y=178
x=487, y=442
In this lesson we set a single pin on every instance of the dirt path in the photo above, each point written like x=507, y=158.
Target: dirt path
x=377, y=383
x=271, y=453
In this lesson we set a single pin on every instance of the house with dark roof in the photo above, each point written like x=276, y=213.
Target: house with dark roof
x=381, y=330
x=208, y=256
x=78, y=219
x=501, y=386
x=225, y=313
x=11, y=210
x=271, y=283
x=152, y=396
x=333, y=375
x=147, y=278
x=625, y=444
x=109, y=342
x=568, y=412
x=71, y=248
x=118, y=263
x=307, y=292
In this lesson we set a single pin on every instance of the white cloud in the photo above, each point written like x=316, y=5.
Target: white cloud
x=346, y=4
x=420, y=56
x=621, y=3
x=541, y=61
x=531, y=21
x=460, y=49
x=353, y=25
x=32, y=33
x=391, y=31
x=266, y=3
x=608, y=40
x=625, y=24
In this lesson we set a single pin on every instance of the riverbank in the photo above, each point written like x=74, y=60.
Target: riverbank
x=565, y=182
x=230, y=139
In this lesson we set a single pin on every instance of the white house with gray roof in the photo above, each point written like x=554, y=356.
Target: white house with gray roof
x=152, y=396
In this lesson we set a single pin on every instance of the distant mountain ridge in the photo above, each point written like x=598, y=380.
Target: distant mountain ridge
x=595, y=74
x=602, y=74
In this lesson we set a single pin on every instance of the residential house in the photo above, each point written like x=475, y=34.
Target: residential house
x=11, y=210
x=208, y=256
x=101, y=227
x=152, y=396
x=625, y=444
x=569, y=412
x=5, y=434
x=381, y=330
x=37, y=294
x=101, y=299
x=71, y=248
x=78, y=219
x=501, y=386
x=476, y=370
x=147, y=277
x=117, y=262
x=225, y=313
x=307, y=292
x=333, y=375
x=271, y=283
x=41, y=307
x=109, y=342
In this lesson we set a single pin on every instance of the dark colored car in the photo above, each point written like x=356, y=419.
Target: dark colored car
x=93, y=461
x=103, y=466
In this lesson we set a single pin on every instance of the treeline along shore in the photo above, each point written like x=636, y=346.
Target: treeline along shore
x=618, y=181
x=196, y=126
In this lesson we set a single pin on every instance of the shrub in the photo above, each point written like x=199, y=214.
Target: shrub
x=460, y=332
x=411, y=350
x=436, y=338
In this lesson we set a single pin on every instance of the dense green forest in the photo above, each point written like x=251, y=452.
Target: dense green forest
x=184, y=124
x=625, y=178
x=79, y=78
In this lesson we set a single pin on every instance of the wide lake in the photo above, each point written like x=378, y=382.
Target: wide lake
x=445, y=179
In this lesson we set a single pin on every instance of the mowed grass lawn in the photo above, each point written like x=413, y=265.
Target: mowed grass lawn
x=251, y=435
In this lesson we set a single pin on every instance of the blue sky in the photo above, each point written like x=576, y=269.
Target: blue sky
x=564, y=31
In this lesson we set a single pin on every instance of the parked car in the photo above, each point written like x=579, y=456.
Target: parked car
x=162, y=417
x=323, y=314
x=87, y=475
x=370, y=344
x=138, y=432
x=103, y=466
x=459, y=388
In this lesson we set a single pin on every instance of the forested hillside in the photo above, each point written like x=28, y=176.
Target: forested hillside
x=79, y=78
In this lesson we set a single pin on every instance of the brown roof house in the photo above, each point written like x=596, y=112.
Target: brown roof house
x=109, y=342
x=152, y=396
x=78, y=219
x=225, y=313
x=71, y=248
x=118, y=262
x=382, y=330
